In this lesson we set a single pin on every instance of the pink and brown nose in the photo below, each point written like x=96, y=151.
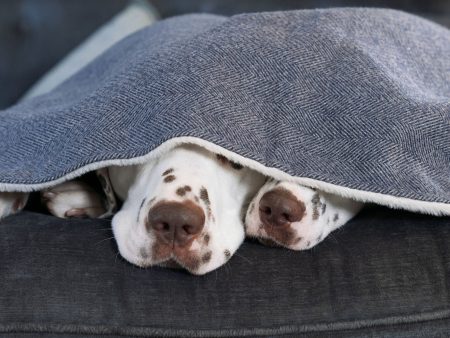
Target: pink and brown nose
x=175, y=222
x=280, y=207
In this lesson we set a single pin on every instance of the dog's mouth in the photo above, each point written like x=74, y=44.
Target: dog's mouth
x=190, y=263
x=171, y=264
x=179, y=258
x=269, y=242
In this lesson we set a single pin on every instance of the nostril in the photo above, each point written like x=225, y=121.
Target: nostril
x=190, y=229
x=286, y=217
x=266, y=210
x=161, y=226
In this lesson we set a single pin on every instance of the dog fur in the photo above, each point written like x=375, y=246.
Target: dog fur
x=228, y=194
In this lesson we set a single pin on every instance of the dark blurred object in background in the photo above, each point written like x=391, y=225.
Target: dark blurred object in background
x=35, y=35
x=437, y=10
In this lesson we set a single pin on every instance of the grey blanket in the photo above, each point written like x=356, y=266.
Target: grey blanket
x=351, y=101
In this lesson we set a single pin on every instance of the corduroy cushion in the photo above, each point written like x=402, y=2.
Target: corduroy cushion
x=386, y=272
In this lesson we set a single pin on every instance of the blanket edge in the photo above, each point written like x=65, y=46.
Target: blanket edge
x=424, y=207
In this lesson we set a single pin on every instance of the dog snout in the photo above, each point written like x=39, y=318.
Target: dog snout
x=175, y=222
x=280, y=207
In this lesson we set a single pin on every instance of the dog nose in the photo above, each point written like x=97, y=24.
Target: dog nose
x=175, y=222
x=280, y=207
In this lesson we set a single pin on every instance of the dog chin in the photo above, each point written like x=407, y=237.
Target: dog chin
x=200, y=269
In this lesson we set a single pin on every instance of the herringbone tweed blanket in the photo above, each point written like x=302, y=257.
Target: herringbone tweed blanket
x=351, y=101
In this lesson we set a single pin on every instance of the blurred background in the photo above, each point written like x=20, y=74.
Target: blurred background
x=36, y=34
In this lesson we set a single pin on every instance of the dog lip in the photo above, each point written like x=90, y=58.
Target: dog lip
x=282, y=234
x=172, y=264
x=270, y=242
x=278, y=226
x=181, y=258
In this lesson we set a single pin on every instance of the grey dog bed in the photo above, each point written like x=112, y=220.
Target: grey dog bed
x=351, y=101
x=385, y=274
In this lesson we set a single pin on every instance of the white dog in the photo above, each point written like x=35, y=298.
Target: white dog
x=189, y=207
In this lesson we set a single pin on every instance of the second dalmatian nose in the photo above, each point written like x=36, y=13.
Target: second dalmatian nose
x=280, y=207
x=176, y=222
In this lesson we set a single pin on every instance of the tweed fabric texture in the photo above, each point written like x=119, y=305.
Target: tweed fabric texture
x=359, y=98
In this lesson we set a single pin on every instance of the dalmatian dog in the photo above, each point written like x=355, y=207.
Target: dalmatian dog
x=294, y=216
x=188, y=209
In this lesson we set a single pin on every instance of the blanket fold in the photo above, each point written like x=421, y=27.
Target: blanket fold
x=352, y=101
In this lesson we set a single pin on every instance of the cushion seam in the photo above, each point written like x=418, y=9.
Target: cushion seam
x=241, y=332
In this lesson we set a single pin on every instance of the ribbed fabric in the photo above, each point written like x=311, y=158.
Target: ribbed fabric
x=385, y=274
